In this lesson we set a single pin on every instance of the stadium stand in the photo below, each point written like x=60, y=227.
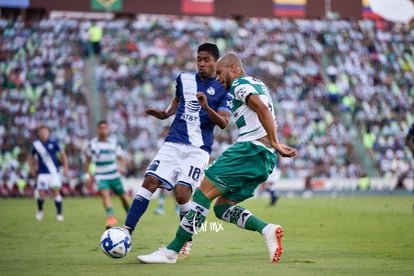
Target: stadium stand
x=343, y=89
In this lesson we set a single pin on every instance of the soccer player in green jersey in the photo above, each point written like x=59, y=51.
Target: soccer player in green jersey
x=106, y=153
x=236, y=173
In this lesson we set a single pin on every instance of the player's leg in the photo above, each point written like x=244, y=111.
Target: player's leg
x=228, y=210
x=140, y=202
x=274, y=196
x=220, y=178
x=197, y=214
x=107, y=204
x=183, y=195
x=193, y=219
x=104, y=187
x=160, y=174
x=257, y=168
x=58, y=203
x=191, y=173
x=118, y=188
x=56, y=185
x=42, y=186
x=40, y=202
x=125, y=201
x=161, y=202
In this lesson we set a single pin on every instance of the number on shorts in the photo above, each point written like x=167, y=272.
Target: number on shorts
x=194, y=173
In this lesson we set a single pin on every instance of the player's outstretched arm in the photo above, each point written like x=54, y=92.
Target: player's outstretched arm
x=164, y=114
x=221, y=118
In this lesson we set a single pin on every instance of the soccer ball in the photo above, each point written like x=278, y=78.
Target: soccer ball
x=116, y=242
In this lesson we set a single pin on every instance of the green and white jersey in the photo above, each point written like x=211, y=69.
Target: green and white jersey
x=104, y=154
x=247, y=121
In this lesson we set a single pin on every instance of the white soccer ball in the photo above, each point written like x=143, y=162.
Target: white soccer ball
x=116, y=242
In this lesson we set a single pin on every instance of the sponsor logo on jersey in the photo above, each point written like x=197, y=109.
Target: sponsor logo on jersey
x=189, y=118
x=192, y=109
x=192, y=106
x=211, y=91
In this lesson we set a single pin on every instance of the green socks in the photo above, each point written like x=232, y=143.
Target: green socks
x=110, y=211
x=198, y=213
x=192, y=220
x=239, y=216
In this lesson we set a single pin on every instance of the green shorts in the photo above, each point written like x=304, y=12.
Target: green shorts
x=238, y=171
x=114, y=184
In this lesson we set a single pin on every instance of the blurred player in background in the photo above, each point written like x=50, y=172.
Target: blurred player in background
x=235, y=174
x=200, y=103
x=106, y=154
x=162, y=195
x=270, y=184
x=48, y=156
x=409, y=141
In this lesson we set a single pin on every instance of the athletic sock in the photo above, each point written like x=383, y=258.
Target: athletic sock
x=110, y=211
x=138, y=207
x=191, y=221
x=239, y=216
x=58, y=204
x=183, y=209
x=40, y=202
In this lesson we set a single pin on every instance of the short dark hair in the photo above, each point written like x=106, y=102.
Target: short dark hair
x=44, y=126
x=102, y=122
x=209, y=48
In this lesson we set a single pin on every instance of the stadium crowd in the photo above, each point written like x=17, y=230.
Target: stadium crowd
x=317, y=70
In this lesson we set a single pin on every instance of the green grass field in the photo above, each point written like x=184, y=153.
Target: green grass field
x=322, y=236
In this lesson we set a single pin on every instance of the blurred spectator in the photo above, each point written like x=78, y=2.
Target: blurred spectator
x=364, y=183
x=95, y=32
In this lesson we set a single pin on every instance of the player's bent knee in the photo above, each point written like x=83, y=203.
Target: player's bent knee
x=182, y=194
x=151, y=183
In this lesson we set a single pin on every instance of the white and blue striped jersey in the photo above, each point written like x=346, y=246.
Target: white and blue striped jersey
x=47, y=156
x=191, y=124
x=104, y=154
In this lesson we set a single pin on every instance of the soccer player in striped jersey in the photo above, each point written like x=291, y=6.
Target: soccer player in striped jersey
x=200, y=103
x=49, y=157
x=107, y=155
x=409, y=141
x=235, y=174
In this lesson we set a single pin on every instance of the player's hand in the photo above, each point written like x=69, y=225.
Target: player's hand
x=87, y=180
x=160, y=114
x=286, y=151
x=202, y=100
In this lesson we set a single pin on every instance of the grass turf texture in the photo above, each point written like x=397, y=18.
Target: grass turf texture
x=322, y=236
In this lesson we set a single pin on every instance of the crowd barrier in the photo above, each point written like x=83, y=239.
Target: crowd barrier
x=297, y=185
x=288, y=186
